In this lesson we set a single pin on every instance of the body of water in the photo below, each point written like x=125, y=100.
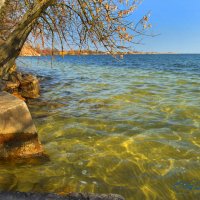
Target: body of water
x=130, y=127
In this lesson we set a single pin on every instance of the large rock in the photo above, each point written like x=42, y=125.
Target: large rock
x=18, y=134
x=1, y=3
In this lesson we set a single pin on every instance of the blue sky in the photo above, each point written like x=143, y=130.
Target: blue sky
x=177, y=22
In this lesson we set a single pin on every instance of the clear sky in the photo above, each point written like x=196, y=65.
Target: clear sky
x=177, y=22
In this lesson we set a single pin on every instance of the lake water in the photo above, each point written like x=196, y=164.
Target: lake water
x=130, y=127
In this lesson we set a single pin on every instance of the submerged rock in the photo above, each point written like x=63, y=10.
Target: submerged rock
x=49, y=196
x=18, y=134
x=29, y=87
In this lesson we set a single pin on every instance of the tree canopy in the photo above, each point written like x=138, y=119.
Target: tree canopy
x=68, y=23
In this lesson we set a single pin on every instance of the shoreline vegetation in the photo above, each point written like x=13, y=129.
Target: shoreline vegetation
x=29, y=50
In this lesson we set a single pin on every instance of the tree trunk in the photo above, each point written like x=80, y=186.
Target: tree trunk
x=11, y=48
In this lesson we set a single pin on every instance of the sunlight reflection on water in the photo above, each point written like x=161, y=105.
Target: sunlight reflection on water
x=129, y=127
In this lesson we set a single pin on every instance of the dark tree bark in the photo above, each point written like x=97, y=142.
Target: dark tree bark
x=10, y=49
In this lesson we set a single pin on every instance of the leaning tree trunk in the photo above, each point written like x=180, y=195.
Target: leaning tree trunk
x=11, y=48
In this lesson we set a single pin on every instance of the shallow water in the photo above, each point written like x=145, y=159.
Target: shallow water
x=130, y=127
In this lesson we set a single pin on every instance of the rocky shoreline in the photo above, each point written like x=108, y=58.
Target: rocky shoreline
x=51, y=196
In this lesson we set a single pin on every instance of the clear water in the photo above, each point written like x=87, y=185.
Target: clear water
x=130, y=127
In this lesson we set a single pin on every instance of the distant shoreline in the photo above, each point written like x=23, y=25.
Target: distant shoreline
x=104, y=54
x=28, y=50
